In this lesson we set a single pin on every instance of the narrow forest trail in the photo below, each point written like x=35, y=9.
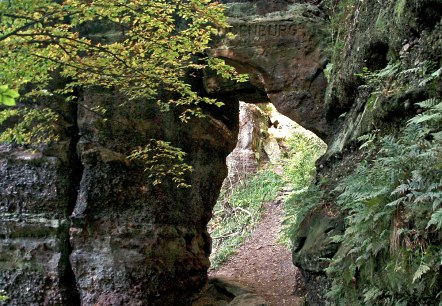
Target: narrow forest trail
x=262, y=264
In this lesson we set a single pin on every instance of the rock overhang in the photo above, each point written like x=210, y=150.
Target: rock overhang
x=284, y=54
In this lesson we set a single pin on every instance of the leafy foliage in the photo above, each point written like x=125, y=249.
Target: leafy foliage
x=303, y=151
x=32, y=126
x=394, y=79
x=144, y=50
x=161, y=160
x=7, y=95
x=147, y=47
x=342, y=16
x=238, y=210
x=391, y=252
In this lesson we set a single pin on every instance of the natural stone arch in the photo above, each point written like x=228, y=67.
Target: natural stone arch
x=164, y=229
x=283, y=52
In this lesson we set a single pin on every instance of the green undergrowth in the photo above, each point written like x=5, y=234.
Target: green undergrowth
x=391, y=250
x=238, y=210
x=299, y=169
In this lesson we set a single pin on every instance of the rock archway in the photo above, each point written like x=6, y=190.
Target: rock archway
x=78, y=225
x=283, y=52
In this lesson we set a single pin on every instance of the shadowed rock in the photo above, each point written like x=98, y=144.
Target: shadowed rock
x=283, y=53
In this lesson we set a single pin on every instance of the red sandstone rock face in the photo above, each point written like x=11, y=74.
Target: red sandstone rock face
x=283, y=52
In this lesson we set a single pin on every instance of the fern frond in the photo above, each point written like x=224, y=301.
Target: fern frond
x=437, y=203
x=429, y=103
x=372, y=294
x=397, y=202
x=421, y=118
x=401, y=189
x=437, y=136
x=436, y=219
x=423, y=268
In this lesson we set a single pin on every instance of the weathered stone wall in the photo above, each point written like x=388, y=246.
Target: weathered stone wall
x=376, y=34
x=81, y=224
x=34, y=245
x=283, y=53
x=133, y=242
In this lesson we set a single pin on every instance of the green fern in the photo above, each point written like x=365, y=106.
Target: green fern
x=391, y=250
x=423, y=268
x=436, y=218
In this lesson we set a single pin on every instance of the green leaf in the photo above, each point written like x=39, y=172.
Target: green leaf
x=8, y=101
x=12, y=93
x=8, y=96
x=423, y=268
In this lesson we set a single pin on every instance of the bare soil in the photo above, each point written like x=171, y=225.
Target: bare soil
x=263, y=265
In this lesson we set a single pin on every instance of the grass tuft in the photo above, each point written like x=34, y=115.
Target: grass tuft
x=238, y=210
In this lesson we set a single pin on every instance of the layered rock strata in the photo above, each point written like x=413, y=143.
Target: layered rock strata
x=81, y=224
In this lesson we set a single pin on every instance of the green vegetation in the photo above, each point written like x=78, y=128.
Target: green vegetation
x=341, y=12
x=303, y=149
x=391, y=251
x=7, y=95
x=299, y=170
x=161, y=160
x=3, y=296
x=34, y=125
x=155, y=47
x=399, y=8
x=238, y=210
x=145, y=50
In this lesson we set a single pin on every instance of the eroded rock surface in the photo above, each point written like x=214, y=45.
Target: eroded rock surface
x=224, y=292
x=112, y=238
x=313, y=248
x=37, y=194
x=283, y=52
x=134, y=243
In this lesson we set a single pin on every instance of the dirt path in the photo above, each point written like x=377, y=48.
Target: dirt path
x=263, y=265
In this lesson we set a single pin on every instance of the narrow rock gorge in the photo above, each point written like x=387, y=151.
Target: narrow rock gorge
x=80, y=224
